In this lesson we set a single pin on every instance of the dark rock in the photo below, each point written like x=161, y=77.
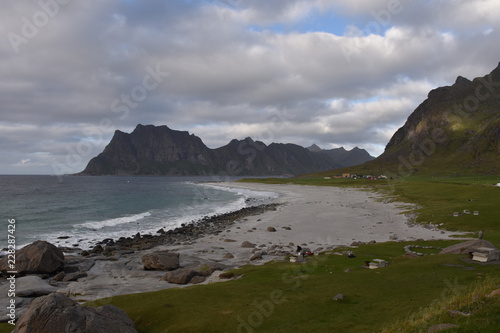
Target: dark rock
x=271, y=229
x=180, y=276
x=162, y=261
x=74, y=276
x=228, y=256
x=247, y=244
x=256, y=256
x=197, y=279
x=58, y=313
x=39, y=257
x=59, y=276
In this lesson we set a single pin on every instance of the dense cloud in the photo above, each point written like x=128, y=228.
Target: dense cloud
x=334, y=73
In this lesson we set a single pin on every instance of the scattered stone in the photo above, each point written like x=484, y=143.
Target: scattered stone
x=39, y=257
x=58, y=313
x=161, y=231
x=63, y=237
x=229, y=240
x=456, y=313
x=228, y=256
x=197, y=279
x=441, y=327
x=256, y=256
x=247, y=244
x=162, y=261
x=59, y=276
x=74, y=276
x=338, y=297
x=180, y=276
x=494, y=293
x=271, y=229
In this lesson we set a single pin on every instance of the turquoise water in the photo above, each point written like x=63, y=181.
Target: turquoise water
x=85, y=210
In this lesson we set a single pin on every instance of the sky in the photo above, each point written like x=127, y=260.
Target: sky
x=330, y=72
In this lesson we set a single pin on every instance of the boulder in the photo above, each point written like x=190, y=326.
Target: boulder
x=197, y=279
x=58, y=313
x=74, y=276
x=466, y=247
x=180, y=276
x=271, y=229
x=29, y=286
x=256, y=256
x=39, y=257
x=161, y=261
x=248, y=245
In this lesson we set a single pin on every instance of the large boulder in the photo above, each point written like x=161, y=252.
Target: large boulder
x=161, y=261
x=58, y=313
x=466, y=247
x=39, y=257
x=180, y=276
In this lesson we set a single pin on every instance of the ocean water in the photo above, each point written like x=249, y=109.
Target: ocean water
x=80, y=211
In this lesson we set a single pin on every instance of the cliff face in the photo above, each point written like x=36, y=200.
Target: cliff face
x=457, y=128
x=151, y=150
x=154, y=151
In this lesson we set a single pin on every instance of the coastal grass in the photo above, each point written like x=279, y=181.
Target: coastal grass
x=288, y=297
x=6, y=328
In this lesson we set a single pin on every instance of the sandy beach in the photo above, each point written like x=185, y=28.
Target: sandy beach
x=318, y=218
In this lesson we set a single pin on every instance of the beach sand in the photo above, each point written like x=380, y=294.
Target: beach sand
x=313, y=217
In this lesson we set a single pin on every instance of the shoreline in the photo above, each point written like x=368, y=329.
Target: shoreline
x=314, y=217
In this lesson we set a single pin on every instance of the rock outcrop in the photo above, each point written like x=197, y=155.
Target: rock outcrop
x=39, y=257
x=58, y=313
x=161, y=261
x=468, y=246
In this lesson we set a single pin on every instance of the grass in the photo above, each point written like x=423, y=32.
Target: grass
x=286, y=297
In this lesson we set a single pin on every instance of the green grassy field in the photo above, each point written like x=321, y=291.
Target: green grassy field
x=409, y=295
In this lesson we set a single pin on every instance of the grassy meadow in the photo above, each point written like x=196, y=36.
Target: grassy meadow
x=409, y=295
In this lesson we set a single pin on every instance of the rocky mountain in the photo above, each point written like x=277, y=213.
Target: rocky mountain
x=344, y=157
x=456, y=130
x=159, y=150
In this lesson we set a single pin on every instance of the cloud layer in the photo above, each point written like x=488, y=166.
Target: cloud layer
x=334, y=73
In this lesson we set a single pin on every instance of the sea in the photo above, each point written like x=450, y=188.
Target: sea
x=79, y=211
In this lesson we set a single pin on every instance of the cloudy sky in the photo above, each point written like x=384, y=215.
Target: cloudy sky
x=331, y=72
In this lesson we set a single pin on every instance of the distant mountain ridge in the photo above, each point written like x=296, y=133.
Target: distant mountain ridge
x=159, y=150
x=344, y=157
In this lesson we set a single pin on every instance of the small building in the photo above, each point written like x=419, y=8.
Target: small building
x=476, y=212
x=466, y=211
x=485, y=254
x=327, y=178
x=456, y=214
x=346, y=175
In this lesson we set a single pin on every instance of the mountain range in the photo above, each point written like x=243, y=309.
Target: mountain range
x=456, y=130
x=159, y=150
